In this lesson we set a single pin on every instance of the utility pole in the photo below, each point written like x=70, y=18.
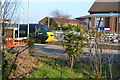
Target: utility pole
x=48, y=21
x=20, y=20
x=28, y=18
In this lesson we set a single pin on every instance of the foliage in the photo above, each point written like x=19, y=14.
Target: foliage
x=73, y=43
x=69, y=27
x=52, y=24
x=64, y=27
x=30, y=42
x=94, y=33
x=6, y=64
x=97, y=56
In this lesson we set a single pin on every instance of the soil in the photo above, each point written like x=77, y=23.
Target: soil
x=24, y=64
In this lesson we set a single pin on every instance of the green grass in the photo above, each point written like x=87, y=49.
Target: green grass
x=49, y=72
x=57, y=68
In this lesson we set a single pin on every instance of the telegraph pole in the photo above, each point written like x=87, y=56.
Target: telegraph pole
x=20, y=20
x=28, y=18
x=48, y=22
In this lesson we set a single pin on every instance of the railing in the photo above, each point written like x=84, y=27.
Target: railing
x=16, y=42
x=58, y=35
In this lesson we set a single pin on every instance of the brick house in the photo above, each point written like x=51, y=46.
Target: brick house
x=63, y=21
x=9, y=28
x=106, y=8
x=82, y=18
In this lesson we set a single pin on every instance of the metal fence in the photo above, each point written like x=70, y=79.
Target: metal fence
x=58, y=35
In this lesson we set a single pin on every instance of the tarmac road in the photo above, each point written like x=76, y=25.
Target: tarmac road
x=50, y=50
x=56, y=51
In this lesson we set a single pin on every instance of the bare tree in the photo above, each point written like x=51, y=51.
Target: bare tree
x=9, y=12
x=9, y=9
x=60, y=14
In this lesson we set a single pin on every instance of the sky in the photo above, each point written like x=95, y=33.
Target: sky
x=40, y=9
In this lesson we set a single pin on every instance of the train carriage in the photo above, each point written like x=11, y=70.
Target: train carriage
x=41, y=32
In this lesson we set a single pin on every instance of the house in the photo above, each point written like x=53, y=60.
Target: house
x=83, y=18
x=113, y=22
x=63, y=21
x=9, y=30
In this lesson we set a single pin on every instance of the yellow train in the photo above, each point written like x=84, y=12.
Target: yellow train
x=42, y=33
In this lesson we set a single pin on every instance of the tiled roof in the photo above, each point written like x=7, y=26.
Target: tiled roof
x=86, y=16
x=105, y=7
x=62, y=20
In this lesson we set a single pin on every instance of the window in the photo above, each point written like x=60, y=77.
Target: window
x=22, y=32
x=107, y=22
x=97, y=22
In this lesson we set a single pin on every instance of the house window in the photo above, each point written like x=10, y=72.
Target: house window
x=107, y=22
x=97, y=20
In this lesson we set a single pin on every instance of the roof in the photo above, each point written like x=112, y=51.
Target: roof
x=62, y=20
x=86, y=16
x=105, y=7
x=105, y=15
x=34, y=25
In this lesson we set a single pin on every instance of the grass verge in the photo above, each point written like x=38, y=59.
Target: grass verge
x=58, y=68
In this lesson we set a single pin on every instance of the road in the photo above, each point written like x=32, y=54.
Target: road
x=50, y=50
x=56, y=51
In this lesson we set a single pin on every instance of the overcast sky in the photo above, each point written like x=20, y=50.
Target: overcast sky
x=40, y=9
